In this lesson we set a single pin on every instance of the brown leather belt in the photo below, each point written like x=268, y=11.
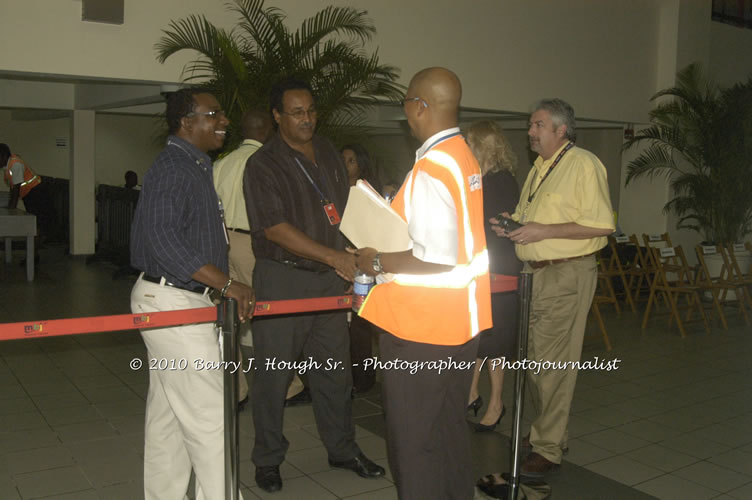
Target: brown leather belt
x=537, y=264
x=238, y=230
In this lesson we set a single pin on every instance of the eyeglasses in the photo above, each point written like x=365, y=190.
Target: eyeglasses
x=299, y=114
x=408, y=99
x=212, y=114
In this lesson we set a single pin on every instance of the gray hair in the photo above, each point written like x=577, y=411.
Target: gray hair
x=562, y=113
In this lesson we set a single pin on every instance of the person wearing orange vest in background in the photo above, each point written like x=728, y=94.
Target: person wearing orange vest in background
x=18, y=176
x=25, y=185
x=437, y=302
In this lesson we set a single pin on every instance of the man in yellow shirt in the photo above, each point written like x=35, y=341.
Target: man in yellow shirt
x=566, y=214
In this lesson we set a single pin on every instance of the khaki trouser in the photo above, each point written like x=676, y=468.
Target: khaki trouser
x=184, y=427
x=562, y=295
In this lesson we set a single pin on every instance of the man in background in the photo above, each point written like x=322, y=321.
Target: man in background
x=27, y=186
x=256, y=127
x=131, y=180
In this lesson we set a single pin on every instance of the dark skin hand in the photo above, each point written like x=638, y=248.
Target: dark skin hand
x=295, y=241
x=210, y=275
x=396, y=262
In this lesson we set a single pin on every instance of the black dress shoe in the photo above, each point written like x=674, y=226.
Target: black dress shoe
x=492, y=487
x=268, y=478
x=360, y=465
x=301, y=398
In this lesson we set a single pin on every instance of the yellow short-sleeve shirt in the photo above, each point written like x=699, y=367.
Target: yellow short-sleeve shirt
x=576, y=190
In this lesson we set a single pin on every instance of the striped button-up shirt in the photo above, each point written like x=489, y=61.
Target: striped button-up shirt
x=177, y=227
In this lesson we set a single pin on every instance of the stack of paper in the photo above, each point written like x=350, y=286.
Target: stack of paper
x=369, y=221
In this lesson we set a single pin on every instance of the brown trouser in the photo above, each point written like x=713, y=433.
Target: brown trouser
x=562, y=295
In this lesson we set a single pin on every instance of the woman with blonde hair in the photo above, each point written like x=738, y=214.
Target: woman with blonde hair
x=498, y=164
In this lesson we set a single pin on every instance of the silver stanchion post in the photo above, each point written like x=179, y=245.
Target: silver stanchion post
x=524, y=288
x=227, y=319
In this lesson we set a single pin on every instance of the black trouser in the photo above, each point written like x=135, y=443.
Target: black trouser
x=320, y=336
x=361, y=338
x=427, y=437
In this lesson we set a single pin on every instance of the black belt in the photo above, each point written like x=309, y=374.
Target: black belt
x=301, y=266
x=238, y=230
x=158, y=281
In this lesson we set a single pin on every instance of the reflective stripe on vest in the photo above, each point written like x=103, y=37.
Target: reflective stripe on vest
x=459, y=277
x=29, y=181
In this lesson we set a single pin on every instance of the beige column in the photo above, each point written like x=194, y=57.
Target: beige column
x=82, y=202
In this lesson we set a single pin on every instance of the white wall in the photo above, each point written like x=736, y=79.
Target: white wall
x=122, y=143
x=43, y=36
x=508, y=53
x=730, y=53
x=126, y=143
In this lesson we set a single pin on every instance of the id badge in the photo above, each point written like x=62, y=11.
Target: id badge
x=331, y=213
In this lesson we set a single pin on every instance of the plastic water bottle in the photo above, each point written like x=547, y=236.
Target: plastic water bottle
x=361, y=286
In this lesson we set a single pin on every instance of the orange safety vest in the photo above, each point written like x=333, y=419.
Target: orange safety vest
x=446, y=308
x=31, y=180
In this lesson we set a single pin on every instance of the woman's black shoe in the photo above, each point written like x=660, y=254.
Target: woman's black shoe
x=475, y=405
x=489, y=428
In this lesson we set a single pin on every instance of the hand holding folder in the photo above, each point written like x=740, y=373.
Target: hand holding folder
x=369, y=221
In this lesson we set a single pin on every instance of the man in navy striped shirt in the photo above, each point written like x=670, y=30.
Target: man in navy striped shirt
x=179, y=242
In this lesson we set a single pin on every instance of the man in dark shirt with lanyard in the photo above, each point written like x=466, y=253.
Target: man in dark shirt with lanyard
x=179, y=243
x=295, y=188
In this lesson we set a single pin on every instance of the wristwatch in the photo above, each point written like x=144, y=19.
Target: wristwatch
x=376, y=264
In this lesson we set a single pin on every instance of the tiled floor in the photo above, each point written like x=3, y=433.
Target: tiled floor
x=674, y=421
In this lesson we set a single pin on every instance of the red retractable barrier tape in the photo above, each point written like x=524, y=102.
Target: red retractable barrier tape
x=97, y=324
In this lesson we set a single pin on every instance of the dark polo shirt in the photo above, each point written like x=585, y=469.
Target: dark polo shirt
x=277, y=190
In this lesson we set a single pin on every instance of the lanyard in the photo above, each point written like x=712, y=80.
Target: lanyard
x=198, y=161
x=440, y=139
x=556, y=162
x=323, y=198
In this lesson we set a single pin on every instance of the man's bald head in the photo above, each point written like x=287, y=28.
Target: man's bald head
x=440, y=87
x=256, y=124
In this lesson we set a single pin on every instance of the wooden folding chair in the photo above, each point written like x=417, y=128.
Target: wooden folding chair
x=671, y=289
x=604, y=294
x=735, y=273
x=615, y=268
x=671, y=265
x=640, y=273
x=598, y=300
x=719, y=286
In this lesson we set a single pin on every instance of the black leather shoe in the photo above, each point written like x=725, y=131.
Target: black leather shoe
x=493, y=487
x=268, y=478
x=360, y=465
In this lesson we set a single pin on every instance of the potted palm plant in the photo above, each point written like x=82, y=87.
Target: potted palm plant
x=700, y=139
x=240, y=66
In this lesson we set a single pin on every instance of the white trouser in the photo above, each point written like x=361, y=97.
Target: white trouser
x=184, y=406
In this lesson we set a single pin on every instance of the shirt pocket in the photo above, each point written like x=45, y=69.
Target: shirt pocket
x=550, y=208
